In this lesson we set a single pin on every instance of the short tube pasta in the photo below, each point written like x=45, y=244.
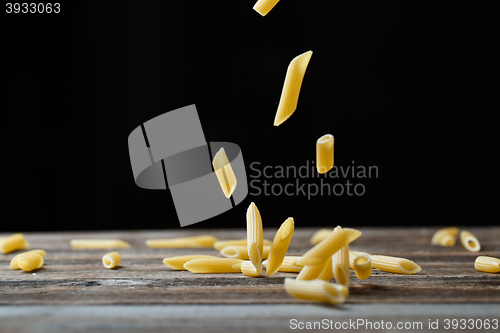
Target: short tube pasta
x=315, y=290
x=98, y=244
x=241, y=252
x=248, y=269
x=30, y=261
x=327, y=273
x=219, y=245
x=255, y=238
x=289, y=264
x=487, y=264
x=15, y=265
x=311, y=272
x=388, y=264
x=340, y=263
x=320, y=235
x=362, y=266
x=291, y=88
x=179, y=261
x=469, y=241
x=214, y=265
x=324, y=153
x=111, y=260
x=264, y=6
x=280, y=246
x=445, y=236
x=224, y=172
x=12, y=243
x=183, y=242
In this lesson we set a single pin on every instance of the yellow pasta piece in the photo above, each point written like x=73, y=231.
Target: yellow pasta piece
x=291, y=87
x=389, y=264
x=327, y=273
x=178, y=262
x=30, y=261
x=235, y=242
x=327, y=247
x=13, y=262
x=224, y=172
x=362, y=266
x=311, y=272
x=469, y=241
x=12, y=243
x=98, y=244
x=241, y=252
x=280, y=246
x=316, y=290
x=445, y=236
x=255, y=240
x=248, y=269
x=320, y=235
x=182, y=242
x=288, y=264
x=214, y=265
x=324, y=153
x=264, y=6
x=353, y=255
x=111, y=260
x=487, y=264
x=340, y=263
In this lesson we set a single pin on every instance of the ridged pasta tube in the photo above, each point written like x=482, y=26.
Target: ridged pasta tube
x=255, y=240
x=248, y=269
x=219, y=245
x=264, y=6
x=291, y=88
x=12, y=243
x=289, y=264
x=445, y=236
x=280, y=246
x=315, y=290
x=241, y=252
x=362, y=266
x=320, y=235
x=111, y=260
x=324, y=153
x=183, y=242
x=311, y=272
x=469, y=241
x=30, y=261
x=487, y=264
x=15, y=265
x=179, y=261
x=327, y=273
x=224, y=172
x=389, y=264
x=340, y=263
x=214, y=265
x=98, y=244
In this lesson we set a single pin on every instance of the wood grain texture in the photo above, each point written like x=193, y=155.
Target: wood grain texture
x=77, y=277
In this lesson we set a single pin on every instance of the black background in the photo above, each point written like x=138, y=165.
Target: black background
x=409, y=86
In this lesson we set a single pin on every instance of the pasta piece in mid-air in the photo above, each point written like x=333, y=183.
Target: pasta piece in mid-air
x=15, y=265
x=487, y=264
x=12, y=243
x=291, y=88
x=248, y=269
x=255, y=239
x=316, y=290
x=179, y=261
x=264, y=6
x=214, y=265
x=111, y=260
x=224, y=172
x=469, y=241
x=445, y=236
x=289, y=264
x=280, y=246
x=324, y=153
x=340, y=263
x=362, y=266
x=30, y=261
x=98, y=244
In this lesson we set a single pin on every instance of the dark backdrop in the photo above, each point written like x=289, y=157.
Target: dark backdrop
x=409, y=86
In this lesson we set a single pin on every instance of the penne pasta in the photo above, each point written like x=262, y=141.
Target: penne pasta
x=178, y=262
x=389, y=264
x=264, y=6
x=469, y=241
x=340, y=263
x=12, y=243
x=445, y=236
x=320, y=235
x=280, y=246
x=327, y=273
x=362, y=266
x=222, y=244
x=255, y=240
x=312, y=272
x=291, y=88
x=487, y=264
x=224, y=172
x=241, y=252
x=316, y=290
x=13, y=262
x=214, y=265
x=248, y=269
x=98, y=244
x=111, y=260
x=327, y=247
x=30, y=261
x=353, y=255
x=288, y=264
x=182, y=242
x=324, y=153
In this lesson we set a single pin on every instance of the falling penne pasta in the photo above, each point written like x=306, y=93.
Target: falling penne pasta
x=324, y=153
x=280, y=246
x=320, y=235
x=291, y=88
x=13, y=262
x=182, y=242
x=327, y=247
x=445, y=236
x=362, y=266
x=224, y=172
x=248, y=269
x=178, y=262
x=264, y=6
x=241, y=252
x=315, y=290
x=312, y=272
x=487, y=264
x=288, y=264
x=30, y=261
x=255, y=240
x=12, y=243
x=235, y=242
x=98, y=244
x=111, y=260
x=469, y=241
x=327, y=272
x=214, y=265
x=340, y=263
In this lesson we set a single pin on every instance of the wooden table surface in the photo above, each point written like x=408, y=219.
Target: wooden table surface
x=74, y=282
